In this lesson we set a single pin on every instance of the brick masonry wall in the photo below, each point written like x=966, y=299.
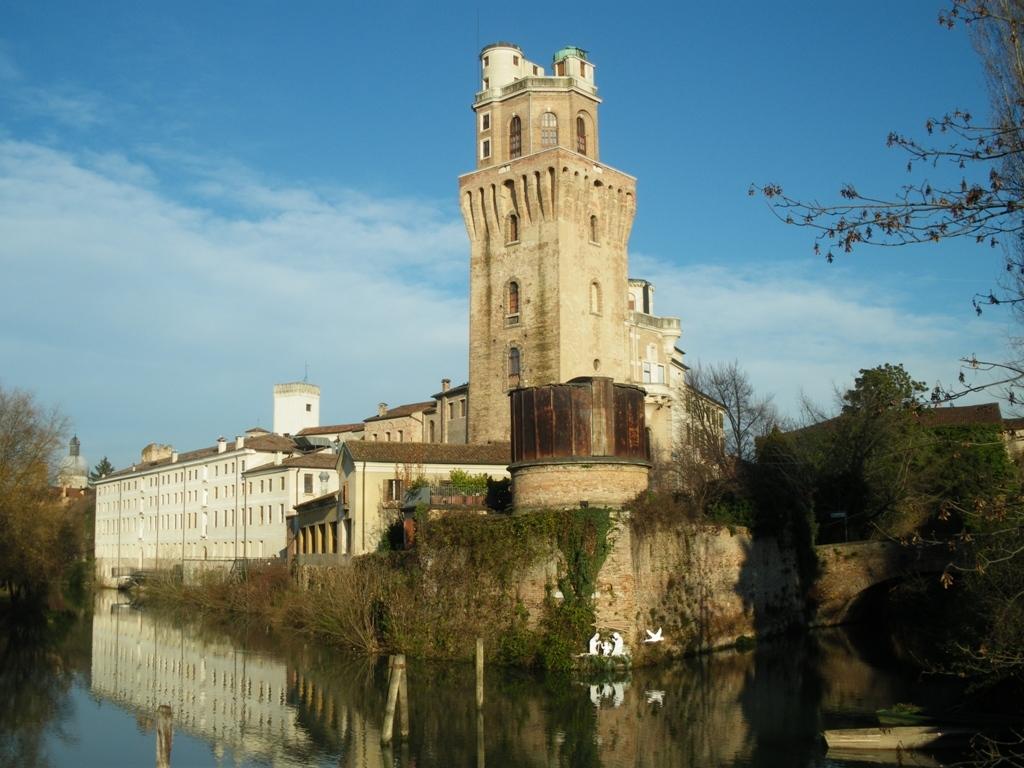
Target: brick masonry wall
x=555, y=485
x=705, y=586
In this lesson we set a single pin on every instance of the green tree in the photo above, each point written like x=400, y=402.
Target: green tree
x=883, y=389
x=863, y=455
x=103, y=468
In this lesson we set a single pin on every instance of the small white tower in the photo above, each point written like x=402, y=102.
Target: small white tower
x=73, y=471
x=296, y=407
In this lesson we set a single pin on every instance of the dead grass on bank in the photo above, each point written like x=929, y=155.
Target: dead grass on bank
x=378, y=604
x=461, y=582
x=261, y=591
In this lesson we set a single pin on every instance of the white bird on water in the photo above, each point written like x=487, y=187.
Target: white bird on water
x=655, y=697
x=653, y=637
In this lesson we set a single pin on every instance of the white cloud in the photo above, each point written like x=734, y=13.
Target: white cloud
x=189, y=314
x=797, y=329
x=149, y=317
x=67, y=105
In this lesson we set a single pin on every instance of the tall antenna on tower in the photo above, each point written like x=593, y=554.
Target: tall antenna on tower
x=305, y=376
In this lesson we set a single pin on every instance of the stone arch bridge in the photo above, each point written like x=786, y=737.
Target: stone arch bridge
x=847, y=571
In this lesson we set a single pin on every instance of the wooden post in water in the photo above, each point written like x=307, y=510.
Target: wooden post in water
x=403, y=703
x=479, y=672
x=480, y=759
x=480, y=702
x=164, y=735
x=397, y=669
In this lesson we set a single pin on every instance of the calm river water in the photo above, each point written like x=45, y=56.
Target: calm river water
x=93, y=699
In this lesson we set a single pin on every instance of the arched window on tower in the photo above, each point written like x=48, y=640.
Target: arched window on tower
x=593, y=229
x=581, y=135
x=595, y=297
x=512, y=233
x=512, y=306
x=515, y=138
x=548, y=130
x=513, y=367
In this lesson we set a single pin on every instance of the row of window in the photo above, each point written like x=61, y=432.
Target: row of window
x=226, y=491
x=548, y=134
x=561, y=68
x=512, y=230
x=246, y=548
x=198, y=473
x=512, y=303
x=256, y=515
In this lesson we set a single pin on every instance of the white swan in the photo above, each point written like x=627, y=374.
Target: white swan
x=617, y=645
x=653, y=637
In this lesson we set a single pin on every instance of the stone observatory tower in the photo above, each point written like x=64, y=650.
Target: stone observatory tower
x=548, y=226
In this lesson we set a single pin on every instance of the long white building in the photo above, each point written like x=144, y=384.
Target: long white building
x=221, y=503
x=195, y=506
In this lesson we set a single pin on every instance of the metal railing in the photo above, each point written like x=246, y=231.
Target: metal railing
x=653, y=321
x=446, y=495
x=536, y=81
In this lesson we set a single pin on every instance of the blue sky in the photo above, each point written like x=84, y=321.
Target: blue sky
x=198, y=199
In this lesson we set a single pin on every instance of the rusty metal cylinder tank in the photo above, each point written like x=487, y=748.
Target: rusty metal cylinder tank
x=584, y=441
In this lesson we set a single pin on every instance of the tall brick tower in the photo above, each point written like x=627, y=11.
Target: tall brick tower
x=548, y=227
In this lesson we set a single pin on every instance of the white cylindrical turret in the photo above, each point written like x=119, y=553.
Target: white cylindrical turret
x=504, y=63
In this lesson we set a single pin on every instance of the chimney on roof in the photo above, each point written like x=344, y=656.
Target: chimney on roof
x=278, y=457
x=239, y=442
x=222, y=444
x=446, y=384
x=382, y=409
x=174, y=457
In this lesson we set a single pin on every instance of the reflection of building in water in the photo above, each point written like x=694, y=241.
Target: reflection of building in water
x=342, y=715
x=232, y=699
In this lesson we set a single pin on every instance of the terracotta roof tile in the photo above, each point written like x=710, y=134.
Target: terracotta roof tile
x=403, y=410
x=332, y=497
x=268, y=443
x=497, y=454
x=331, y=429
x=324, y=460
x=961, y=416
x=459, y=390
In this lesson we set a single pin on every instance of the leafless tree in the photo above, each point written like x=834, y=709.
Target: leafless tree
x=747, y=415
x=976, y=190
x=985, y=202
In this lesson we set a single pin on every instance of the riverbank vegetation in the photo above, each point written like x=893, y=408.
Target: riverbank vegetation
x=888, y=466
x=457, y=584
x=45, y=537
